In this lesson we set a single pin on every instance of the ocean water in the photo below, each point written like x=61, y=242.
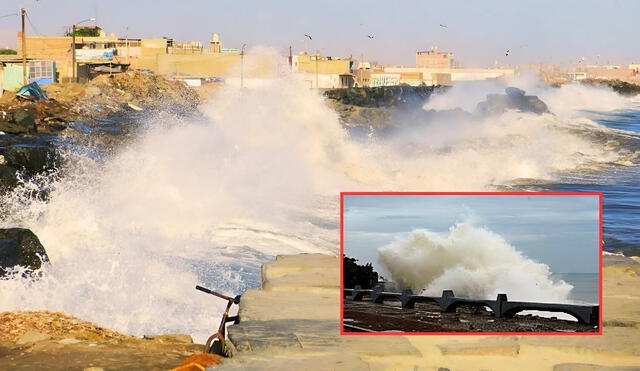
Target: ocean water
x=621, y=192
x=585, y=286
x=206, y=201
x=619, y=184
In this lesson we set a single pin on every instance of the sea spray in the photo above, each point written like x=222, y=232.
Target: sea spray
x=567, y=100
x=472, y=261
x=186, y=203
x=464, y=95
x=208, y=201
x=472, y=155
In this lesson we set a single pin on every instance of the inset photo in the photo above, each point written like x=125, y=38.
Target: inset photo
x=464, y=263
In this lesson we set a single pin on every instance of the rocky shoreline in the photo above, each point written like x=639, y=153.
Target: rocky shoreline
x=620, y=87
x=100, y=111
x=43, y=340
x=103, y=97
x=376, y=107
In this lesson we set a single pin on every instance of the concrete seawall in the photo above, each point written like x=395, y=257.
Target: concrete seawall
x=501, y=307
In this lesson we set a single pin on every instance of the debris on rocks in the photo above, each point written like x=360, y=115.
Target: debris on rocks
x=45, y=340
x=32, y=91
x=45, y=110
x=55, y=325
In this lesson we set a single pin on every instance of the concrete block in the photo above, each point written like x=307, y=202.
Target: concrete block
x=318, y=266
x=486, y=347
x=591, y=367
x=257, y=305
x=312, y=336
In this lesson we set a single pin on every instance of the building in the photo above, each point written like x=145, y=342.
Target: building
x=416, y=76
x=610, y=72
x=363, y=74
x=42, y=72
x=432, y=68
x=324, y=72
x=215, y=46
x=548, y=73
x=57, y=49
x=384, y=79
x=445, y=76
x=304, y=62
x=163, y=56
x=434, y=59
x=577, y=75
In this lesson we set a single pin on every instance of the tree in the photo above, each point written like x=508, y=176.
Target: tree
x=86, y=32
x=356, y=274
x=7, y=51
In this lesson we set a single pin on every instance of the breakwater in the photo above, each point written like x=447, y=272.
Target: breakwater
x=501, y=307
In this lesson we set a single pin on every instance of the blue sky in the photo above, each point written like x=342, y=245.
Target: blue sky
x=478, y=32
x=561, y=231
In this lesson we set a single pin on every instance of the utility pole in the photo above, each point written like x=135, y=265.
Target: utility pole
x=73, y=53
x=242, y=66
x=73, y=47
x=290, y=58
x=317, y=86
x=127, y=43
x=23, y=12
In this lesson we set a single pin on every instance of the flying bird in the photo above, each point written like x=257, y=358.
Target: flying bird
x=370, y=36
x=443, y=25
x=507, y=53
x=310, y=38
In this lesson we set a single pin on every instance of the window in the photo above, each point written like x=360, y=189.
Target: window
x=40, y=69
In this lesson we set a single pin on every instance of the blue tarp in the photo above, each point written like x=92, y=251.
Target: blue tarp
x=32, y=91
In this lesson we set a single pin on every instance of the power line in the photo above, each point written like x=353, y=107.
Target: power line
x=8, y=15
x=33, y=26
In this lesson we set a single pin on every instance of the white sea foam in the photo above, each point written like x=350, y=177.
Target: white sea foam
x=186, y=203
x=472, y=261
x=568, y=100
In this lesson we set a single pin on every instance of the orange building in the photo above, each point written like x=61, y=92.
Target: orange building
x=434, y=59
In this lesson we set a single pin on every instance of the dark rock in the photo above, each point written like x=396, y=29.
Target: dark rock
x=27, y=155
x=25, y=120
x=515, y=99
x=383, y=96
x=18, y=121
x=52, y=112
x=514, y=92
x=51, y=129
x=12, y=128
x=620, y=87
x=20, y=247
x=8, y=178
x=378, y=107
x=30, y=158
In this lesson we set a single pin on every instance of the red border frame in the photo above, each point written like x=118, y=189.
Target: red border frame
x=342, y=194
